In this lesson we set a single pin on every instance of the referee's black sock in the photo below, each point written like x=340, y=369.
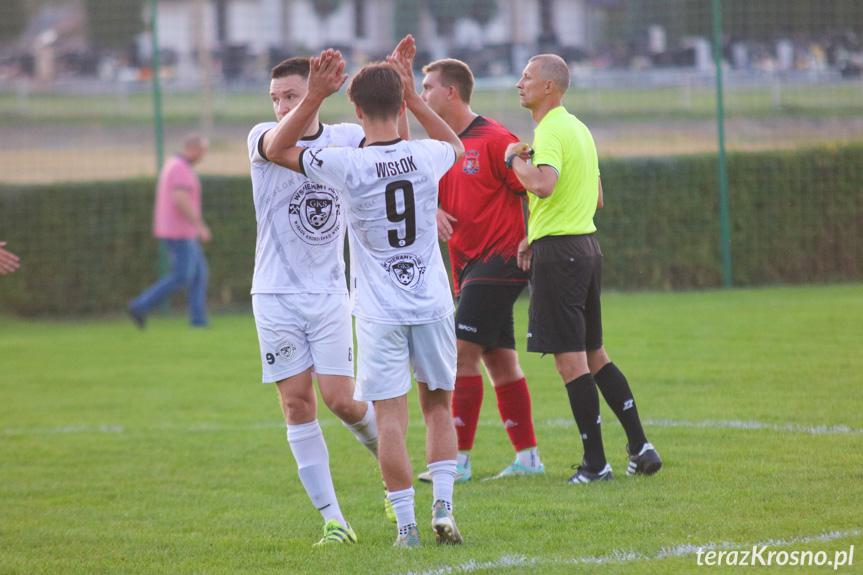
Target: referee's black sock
x=615, y=389
x=584, y=401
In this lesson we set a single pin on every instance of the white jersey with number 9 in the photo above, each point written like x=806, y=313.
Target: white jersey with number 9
x=391, y=190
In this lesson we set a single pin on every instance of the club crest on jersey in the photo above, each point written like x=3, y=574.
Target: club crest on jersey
x=314, y=211
x=285, y=350
x=471, y=162
x=406, y=271
x=318, y=211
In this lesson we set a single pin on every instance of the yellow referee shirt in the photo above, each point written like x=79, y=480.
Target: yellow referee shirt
x=564, y=143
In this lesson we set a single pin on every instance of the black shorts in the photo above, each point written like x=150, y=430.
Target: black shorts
x=565, y=311
x=484, y=315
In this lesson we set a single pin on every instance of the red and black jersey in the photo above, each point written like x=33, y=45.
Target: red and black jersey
x=486, y=199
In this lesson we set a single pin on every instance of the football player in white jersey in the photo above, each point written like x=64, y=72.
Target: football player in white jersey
x=300, y=298
x=400, y=291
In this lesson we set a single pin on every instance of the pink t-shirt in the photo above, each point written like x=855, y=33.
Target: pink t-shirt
x=168, y=221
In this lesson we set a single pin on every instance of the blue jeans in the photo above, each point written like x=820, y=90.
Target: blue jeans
x=188, y=270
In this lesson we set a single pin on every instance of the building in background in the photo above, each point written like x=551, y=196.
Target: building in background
x=246, y=32
x=239, y=40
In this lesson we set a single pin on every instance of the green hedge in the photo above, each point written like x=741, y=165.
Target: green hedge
x=796, y=216
x=87, y=247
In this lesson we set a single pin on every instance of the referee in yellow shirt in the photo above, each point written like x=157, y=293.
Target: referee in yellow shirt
x=561, y=251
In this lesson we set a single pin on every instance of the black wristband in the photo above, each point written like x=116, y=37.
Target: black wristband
x=508, y=161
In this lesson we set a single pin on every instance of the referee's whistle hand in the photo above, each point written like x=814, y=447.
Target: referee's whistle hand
x=515, y=148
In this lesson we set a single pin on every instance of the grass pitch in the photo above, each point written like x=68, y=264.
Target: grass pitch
x=160, y=452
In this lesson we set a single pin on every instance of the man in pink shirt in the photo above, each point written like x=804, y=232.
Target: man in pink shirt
x=178, y=225
x=9, y=262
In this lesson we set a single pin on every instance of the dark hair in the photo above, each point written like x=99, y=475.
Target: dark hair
x=454, y=73
x=291, y=67
x=378, y=91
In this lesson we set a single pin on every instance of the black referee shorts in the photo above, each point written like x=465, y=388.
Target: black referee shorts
x=565, y=311
x=484, y=314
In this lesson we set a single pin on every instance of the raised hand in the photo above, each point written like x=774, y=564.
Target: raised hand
x=326, y=74
x=405, y=71
x=406, y=50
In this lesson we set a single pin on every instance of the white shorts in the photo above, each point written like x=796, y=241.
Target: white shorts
x=387, y=353
x=297, y=331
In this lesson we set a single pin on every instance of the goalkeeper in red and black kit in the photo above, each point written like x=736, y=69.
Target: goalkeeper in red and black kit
x=482, y=219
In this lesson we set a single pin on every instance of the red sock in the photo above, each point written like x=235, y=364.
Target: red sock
x=466, y=402
x=513, y=402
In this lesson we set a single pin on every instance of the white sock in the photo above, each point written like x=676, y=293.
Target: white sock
x=463, y=458
x=313, y=465
x=443, y=480
x=403, y=505
x=366, y=430
x=529, y=457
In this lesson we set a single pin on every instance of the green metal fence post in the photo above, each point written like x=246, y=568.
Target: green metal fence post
x=158, y=127
x=724, y=224
x=157, y=86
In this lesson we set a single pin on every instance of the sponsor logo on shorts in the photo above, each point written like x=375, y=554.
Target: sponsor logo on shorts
x=469, y=328
x=314, y=212
x=285, y=351
x=406, y=271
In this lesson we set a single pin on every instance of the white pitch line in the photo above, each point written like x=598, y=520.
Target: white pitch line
x=622, y=557
x=731, y=424
x=667, y=423
x=65, y=429
x=196, y=428
x=734, y=424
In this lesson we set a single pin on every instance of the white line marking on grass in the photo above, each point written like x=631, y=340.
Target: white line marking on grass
x=66, y=429
x=621, y=557
x=473, y=565
x=195, y=428
x=206, y=427
x=733, y=424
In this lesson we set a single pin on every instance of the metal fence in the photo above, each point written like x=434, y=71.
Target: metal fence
x=78, y=103
x=644, y=74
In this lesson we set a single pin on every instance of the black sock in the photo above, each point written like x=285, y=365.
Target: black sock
x=584, y=401
x=615, y=389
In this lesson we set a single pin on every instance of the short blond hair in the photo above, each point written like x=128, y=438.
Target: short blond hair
x=553, y=67
x=455, y=73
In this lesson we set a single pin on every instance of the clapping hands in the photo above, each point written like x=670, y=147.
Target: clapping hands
x=326, y=73
x=401, y=60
